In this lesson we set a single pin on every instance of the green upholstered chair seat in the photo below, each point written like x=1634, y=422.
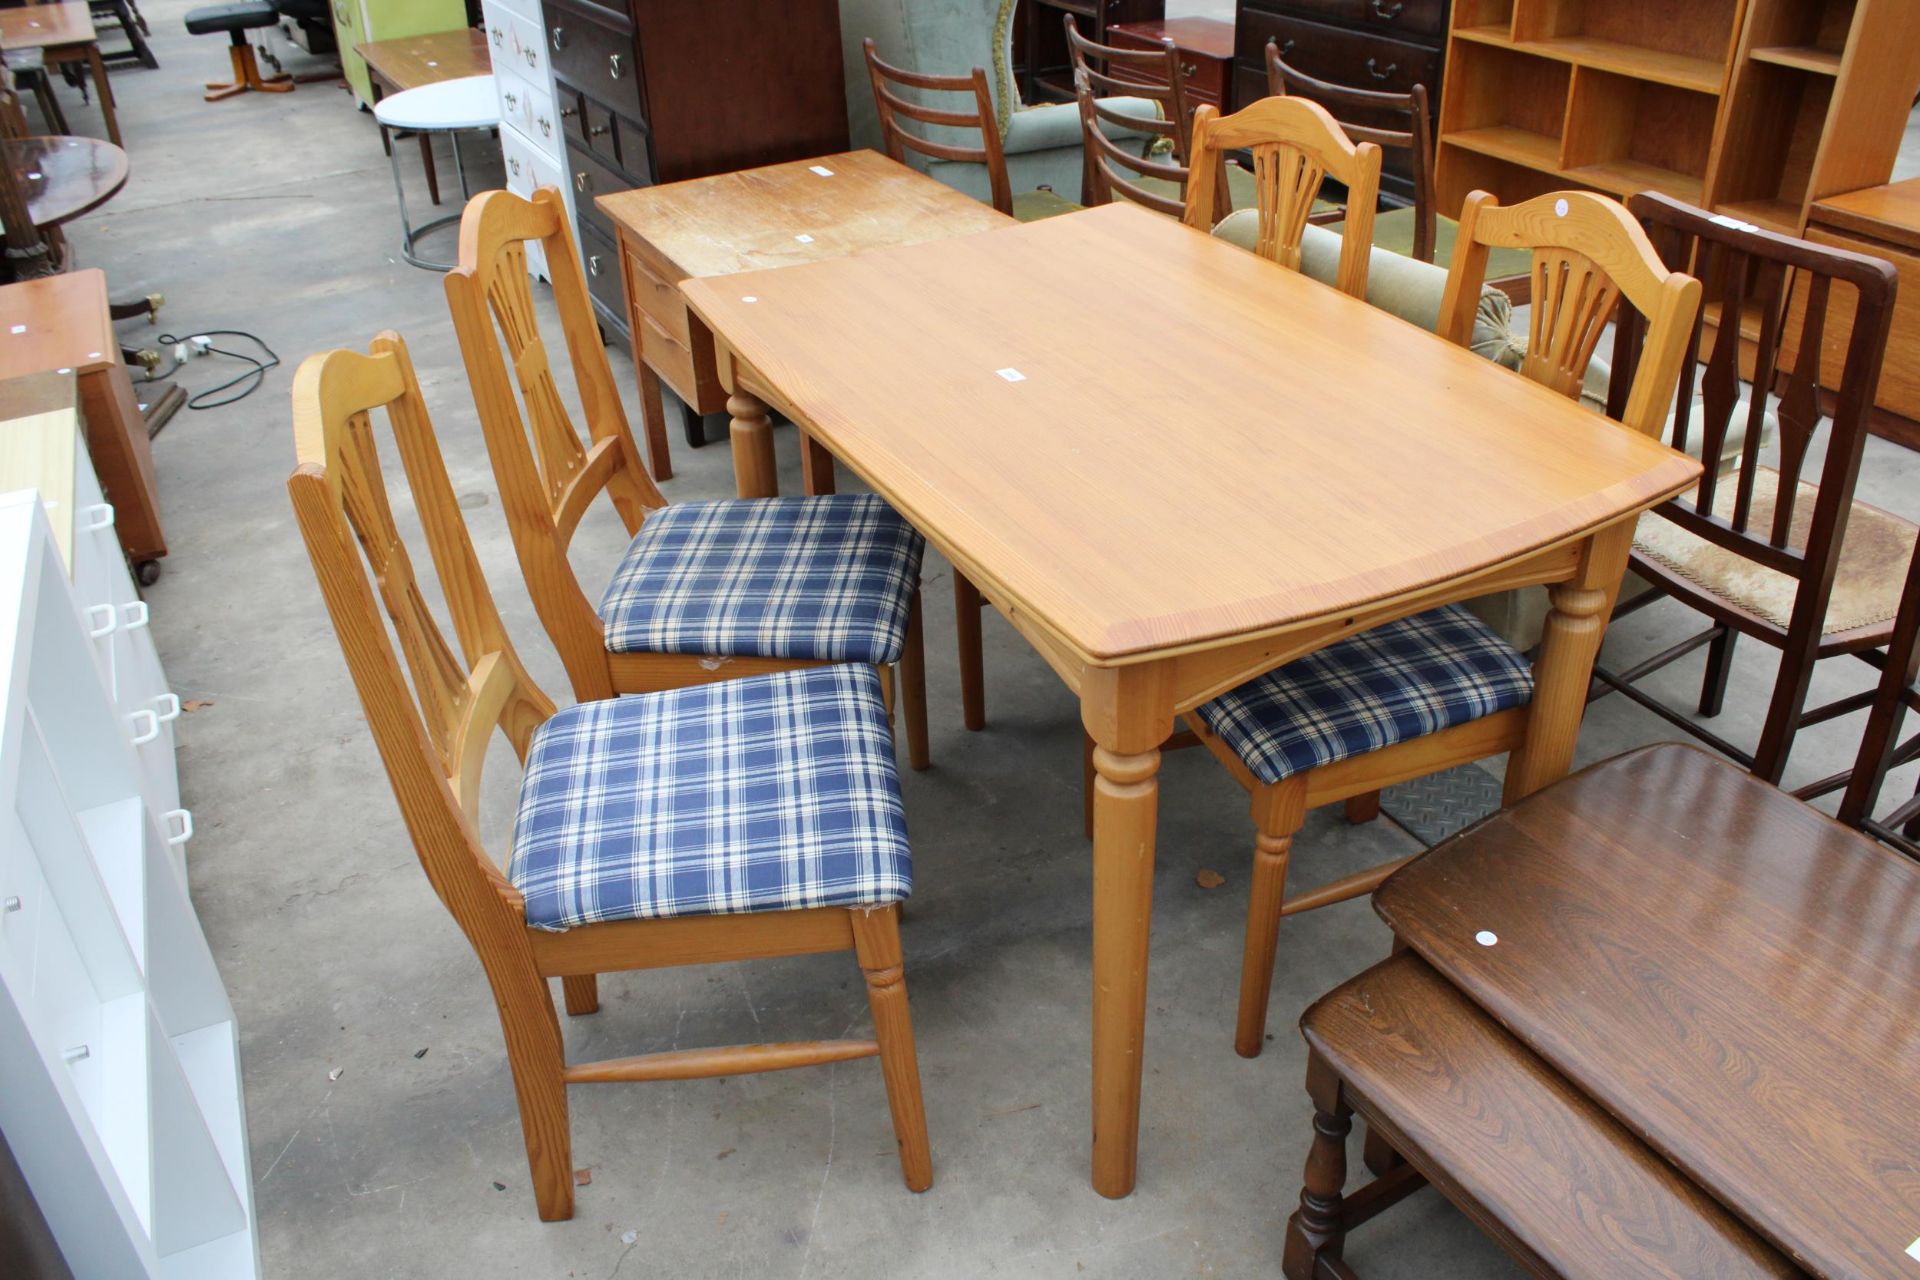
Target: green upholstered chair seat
x=1393, y=229
x=1031, y=206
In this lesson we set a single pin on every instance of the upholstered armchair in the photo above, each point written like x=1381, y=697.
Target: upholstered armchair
x=951, y=37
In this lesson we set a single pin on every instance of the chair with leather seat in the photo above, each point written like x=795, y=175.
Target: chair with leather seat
x=236, y=20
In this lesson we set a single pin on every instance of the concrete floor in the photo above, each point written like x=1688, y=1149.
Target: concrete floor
x=384, y=1136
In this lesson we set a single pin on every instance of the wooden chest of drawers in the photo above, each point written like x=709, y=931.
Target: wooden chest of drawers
x=1206, y=53
x=652, y=91
x=1390, y=45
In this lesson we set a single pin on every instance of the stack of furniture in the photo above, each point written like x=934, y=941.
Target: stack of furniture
x=358, y=22
x=1385, y=45
x=117, y=1043
x=1752, y=108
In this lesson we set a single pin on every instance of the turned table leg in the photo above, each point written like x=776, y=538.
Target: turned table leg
x=751, y=431
x=1315, y=1231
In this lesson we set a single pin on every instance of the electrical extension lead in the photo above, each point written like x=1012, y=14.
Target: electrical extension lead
x=201, y=344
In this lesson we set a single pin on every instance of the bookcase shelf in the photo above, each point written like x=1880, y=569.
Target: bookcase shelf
x=1825, y=62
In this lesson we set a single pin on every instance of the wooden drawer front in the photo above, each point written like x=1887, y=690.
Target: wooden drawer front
x=595, y=59
x=589, y=177
x=592, y=127
x=669, y=357
x=602, y=264
x=1206, y=76
x=1408, y=19
x=1900, y=373
x=659, y=300
x=1359, y=59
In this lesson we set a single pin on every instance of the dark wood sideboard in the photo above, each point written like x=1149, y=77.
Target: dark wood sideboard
x=1390, y=45
x=654, y=91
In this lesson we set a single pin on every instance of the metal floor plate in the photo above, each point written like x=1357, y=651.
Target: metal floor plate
x=1440, y=804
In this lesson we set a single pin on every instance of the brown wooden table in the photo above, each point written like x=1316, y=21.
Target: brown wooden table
x=780, y=215
x=64, y=32
x=1729, y=972
x=1168, y=509
x=63, y=178
x=395, y=66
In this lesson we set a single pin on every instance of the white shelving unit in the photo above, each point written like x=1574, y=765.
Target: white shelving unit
x=531, y=140
x=119, y=1056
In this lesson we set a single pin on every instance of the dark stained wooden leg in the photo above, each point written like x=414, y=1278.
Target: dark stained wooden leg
x=876, y=943
x=98, y=67
x=1379, y=1157
x=1713, y=688
x=1278, y=812
x=966, y=626
x=1363, y=808
x=913, y=688
x=1315, y=1229
x=583, y=993
x=1783, y=712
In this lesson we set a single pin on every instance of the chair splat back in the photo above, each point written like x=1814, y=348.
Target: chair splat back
x=548, y=476
x=433, y=720
x=1588, y=254
x=1296, y=145
x=897, y=139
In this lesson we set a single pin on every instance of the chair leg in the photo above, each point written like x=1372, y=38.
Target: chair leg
x=216, y=91
x=966, y=626
x=1278, y=812
x=1315, y=1230
x=1713, y=688
x=538, y=1062
x=1363, y=808
x=583, y=993
x=876, y=944
x=1783, y=712
x=913, y=687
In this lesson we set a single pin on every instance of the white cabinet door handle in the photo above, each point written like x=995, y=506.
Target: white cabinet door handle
x=99, y=516
x=169, y=704
x=102, y=620
x=184, y=820
x=143, y=736
x=135, y=616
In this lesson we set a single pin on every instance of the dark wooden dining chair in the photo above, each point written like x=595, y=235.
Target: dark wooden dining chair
x=1782, y=553
x=1114, y=169
x=1399, y=123
x=787, y=834
x=706, y=590
x=1881, y=750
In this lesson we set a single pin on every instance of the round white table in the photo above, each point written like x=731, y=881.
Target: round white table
x=446, y=107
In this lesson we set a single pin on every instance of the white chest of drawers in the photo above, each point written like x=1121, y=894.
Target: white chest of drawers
x=531, y=144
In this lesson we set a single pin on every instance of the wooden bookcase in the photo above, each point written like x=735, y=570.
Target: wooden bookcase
x=1755, y=108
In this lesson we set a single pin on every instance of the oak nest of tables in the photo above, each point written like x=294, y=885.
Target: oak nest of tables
x=63, y=178
x=1282, y=467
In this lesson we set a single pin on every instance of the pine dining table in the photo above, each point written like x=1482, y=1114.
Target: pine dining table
x=1174, y=466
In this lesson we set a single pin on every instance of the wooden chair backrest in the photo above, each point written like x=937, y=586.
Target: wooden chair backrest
x=1776, y=281
x=548, y=476
x=1112, y=168
x=1588, y=254
x=1395, y=121
x=897, y=139
x=1296, y=145
x=433, y=720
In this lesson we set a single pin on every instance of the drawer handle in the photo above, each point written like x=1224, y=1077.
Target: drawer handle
x=99, y=516
x=567, y=113
x=546, y=127
x=102, y=620
x=185, y=819
x=513, y=163
x=533, y=57
x=615, y=67
x=1286, y=48
x=1189, y=69
x=582, y=181
x=12, y=904
x=598, y=130
x=593, y=265
x=513, y=102
x=142, y=737
x=77, y=1053
x=136, y=615
x=559, y=37
x=1387, y=12
x=1378, y=74
x=499, y=38
x=169, y=703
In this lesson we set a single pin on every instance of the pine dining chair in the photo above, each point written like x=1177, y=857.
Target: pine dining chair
x=1296, y=145
x=1439, y=688
x=706, y=590
x=730, y=821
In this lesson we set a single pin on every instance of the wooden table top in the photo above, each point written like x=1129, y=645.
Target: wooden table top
x=56, y=322
x=1889, y=213
x=46, y=26
x=62, y=177
x=411, y=61
x=1209, y=447
x=1733, y=975
x=1210, y=36
x=752, y=219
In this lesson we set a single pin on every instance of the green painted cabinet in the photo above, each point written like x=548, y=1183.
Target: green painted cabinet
x=364, y=21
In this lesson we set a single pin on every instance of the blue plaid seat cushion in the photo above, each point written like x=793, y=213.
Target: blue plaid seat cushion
x=768, y=793
x=828, y=577
x=1391, y=684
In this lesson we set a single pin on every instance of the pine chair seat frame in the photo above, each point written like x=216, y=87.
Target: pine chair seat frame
x=1586, y=259
x=433, y=731
x=549, y=482
x=1113, y=169
x=1348, y=106
x=1749, y=270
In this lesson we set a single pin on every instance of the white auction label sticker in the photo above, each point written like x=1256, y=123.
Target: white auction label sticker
x=820, y=169
x=1486, y=937
x=1011, y=375
x=804, y=239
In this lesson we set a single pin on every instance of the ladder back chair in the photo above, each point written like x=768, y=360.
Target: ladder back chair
x=978, y=116
x=1780, y=552
x=1296, y=145
x=1114, y=169
x=706, y=590
x=1439, y=688
x=1881, y=750
x=593, y=884
x=1396, y=122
